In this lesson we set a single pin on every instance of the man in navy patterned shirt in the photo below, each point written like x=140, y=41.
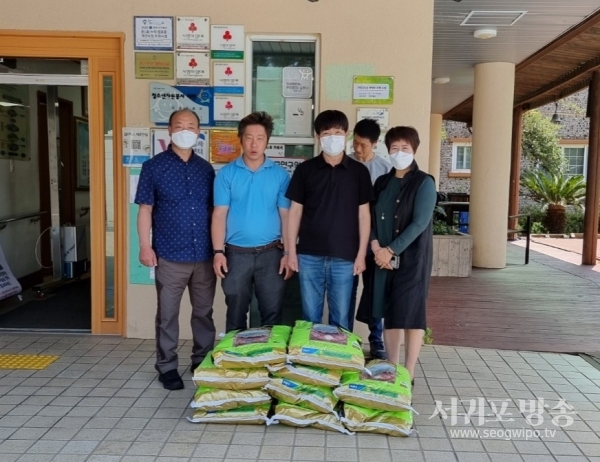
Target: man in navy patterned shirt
x=175, y=195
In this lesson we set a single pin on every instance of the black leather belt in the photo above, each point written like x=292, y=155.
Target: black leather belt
x=258, y=249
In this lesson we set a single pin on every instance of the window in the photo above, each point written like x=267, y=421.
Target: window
x=576, y=159
x=461, y=157
x=282, y=70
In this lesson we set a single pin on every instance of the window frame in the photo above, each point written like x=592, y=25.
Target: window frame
x=585, y=148
x=309, y=38
x=455, y=146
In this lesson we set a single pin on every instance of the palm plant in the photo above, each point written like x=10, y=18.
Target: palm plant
x=555, y=191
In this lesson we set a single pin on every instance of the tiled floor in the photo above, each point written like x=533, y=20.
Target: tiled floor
x=101, y=402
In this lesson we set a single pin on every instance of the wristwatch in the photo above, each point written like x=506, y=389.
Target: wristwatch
x=218, y=251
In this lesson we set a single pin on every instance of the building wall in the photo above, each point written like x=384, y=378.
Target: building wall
x=575, y=126
x=354, y=39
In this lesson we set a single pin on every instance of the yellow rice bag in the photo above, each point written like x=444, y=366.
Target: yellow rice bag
x=292, y=392
x=325, y=346
x=309, y=375
x=383, y=385
x=254, y=347
x=296, y=416
x=208, y=375
x=360, y=419
x=240, y=415
x=214, y=399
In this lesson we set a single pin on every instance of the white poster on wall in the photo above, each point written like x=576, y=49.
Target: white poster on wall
x=9, y=285
x=275, y=150
x=228, y=74
x=228, y=110
x=229, y=39
x=153, y=33
x=298, y=117
x=193, y=68
x=297, y=82
x=136, y=146
x=379, y=115
x=288, y=163
x=192, y=33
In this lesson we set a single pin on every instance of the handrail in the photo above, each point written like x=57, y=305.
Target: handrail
x=5, y=221
x=527, y=231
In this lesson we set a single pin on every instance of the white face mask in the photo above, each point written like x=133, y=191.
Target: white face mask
x=333, y=144
x=184, y=139
x=401, y=160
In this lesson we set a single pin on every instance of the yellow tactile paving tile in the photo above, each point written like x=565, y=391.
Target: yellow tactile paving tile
x=26, y=361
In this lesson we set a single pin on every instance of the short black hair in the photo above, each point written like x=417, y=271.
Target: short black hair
x=256, y=118
x=180, y=111
x=327, y=120
x=368, y=128
x=408, y=134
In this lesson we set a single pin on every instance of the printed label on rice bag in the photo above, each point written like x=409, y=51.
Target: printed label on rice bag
x=382, y=372
x=289, y=384
x=254, y=335
x=325, y=333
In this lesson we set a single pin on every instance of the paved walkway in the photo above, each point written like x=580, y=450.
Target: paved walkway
x=571, y=244
x=100, y=402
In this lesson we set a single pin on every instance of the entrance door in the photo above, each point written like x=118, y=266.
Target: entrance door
x=104, y=56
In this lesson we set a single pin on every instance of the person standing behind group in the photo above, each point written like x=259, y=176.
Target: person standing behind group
x=402, y=227
x=175, y=193
x=249, y=222
x=329, y=222
x=366, y=135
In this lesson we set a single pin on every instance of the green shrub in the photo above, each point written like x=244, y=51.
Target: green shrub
x=575, y=221
x=538, y=228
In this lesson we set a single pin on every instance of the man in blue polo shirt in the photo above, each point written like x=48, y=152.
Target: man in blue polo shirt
x=175, y=194
x=249, y=220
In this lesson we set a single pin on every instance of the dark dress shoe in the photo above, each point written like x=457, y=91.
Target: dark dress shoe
x=378, y=351
x=194, y=367
x=171, y=380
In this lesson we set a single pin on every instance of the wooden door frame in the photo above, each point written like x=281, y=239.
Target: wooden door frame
x=105, y=54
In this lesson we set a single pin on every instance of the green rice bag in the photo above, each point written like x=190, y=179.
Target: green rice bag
x=308, y=375
x=360, y=419
x=296, y=416
x=208, y=375
x=254, y=347
x=292, y=392
x=325, y=346
x=214, y=399
x=382, y=386
x=240, y=415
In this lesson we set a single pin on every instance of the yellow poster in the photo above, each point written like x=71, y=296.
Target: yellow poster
x=159, y=66
x=224, y=146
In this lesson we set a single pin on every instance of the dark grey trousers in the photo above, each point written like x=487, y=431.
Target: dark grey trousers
x=258, y=272
x=171, y=280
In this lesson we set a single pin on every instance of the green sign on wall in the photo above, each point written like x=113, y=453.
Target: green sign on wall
x=368, y=89
x=138, y=273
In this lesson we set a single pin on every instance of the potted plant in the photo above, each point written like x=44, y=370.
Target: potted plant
x=452, y=250
x=555, y=191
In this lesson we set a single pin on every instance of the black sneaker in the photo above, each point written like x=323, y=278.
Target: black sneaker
x=171, y=380
x=378, y=351
x=194, y=367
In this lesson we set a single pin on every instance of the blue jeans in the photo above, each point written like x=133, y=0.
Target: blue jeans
x=376, y=325
x=318, y=275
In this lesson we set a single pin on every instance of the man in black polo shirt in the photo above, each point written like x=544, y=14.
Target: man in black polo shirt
x=329, y=222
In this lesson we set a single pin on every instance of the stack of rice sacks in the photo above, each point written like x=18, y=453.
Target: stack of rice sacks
x=318, y=356
x=231, y=379
x=377, y=400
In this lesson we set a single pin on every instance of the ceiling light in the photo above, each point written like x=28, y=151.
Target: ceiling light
x=485, y=34
x=441, y=80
